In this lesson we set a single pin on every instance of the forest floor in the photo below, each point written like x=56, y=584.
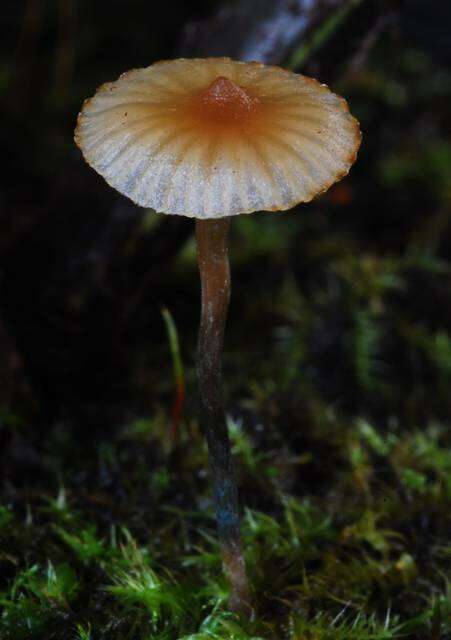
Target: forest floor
x=344, y=477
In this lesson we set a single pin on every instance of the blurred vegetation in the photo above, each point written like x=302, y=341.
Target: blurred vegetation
x=337, y=362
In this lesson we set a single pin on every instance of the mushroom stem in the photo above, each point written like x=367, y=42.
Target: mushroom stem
x=212, y=256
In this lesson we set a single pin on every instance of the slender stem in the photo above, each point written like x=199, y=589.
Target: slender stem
x=212, y=255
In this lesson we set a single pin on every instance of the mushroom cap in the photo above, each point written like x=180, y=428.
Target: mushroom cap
x=213, y=137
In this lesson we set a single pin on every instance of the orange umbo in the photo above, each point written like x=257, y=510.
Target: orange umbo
x=213, y=138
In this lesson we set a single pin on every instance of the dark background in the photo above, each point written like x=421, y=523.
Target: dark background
x=340, y=314
x=82, y=280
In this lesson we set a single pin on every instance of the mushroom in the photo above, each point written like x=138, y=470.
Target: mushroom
x=209, y=139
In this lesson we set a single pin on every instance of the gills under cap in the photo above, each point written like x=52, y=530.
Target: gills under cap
x=209, y=138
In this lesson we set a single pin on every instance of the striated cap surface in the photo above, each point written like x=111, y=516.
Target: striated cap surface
x=213, y=137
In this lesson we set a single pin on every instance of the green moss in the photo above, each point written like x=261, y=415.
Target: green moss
x=85, y=543
x=343, y=627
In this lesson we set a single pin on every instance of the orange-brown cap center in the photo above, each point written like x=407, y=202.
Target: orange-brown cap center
x=223, y=94
x=224, y=104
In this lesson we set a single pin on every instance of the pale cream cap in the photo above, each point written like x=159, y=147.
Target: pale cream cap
x=209, y=138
